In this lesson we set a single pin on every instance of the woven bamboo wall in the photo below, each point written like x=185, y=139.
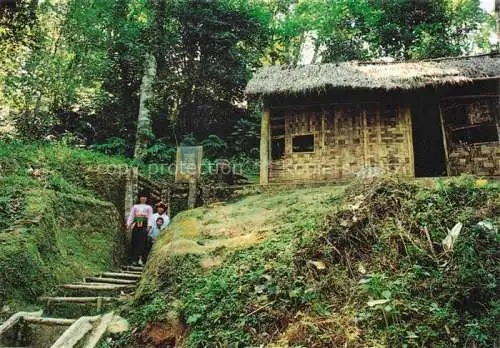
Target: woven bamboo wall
x=479, y=159
x=347, y=138
x=472, y=133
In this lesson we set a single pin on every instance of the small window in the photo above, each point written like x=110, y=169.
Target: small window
x=472, y=123
x=303, y=143
x=475, y=134
x=278, y=124
x=277, y=148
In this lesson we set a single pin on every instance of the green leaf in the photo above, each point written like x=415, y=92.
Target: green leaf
x=193, y=318
x=387, y=294
x=374, y=303
x=411, y=334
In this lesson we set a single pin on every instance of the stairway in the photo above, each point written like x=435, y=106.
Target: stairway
x=74, y=315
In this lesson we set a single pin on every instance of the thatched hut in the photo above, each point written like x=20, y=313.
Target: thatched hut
x=425, y=118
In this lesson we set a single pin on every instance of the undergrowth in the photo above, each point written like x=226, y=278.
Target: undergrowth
x=53, y=227
x=408, y=286
x=53, y=166
x=373, y=268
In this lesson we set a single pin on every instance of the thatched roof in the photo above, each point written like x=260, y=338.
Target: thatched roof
x=276, y=80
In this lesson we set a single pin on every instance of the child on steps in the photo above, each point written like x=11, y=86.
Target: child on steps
x=160, y=222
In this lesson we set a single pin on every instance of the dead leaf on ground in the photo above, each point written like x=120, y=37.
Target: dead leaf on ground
x=320, y=265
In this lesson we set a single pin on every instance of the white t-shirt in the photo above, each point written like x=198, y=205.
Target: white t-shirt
x=155, y=232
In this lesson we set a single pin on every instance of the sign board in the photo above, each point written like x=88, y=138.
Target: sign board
x=188, y=163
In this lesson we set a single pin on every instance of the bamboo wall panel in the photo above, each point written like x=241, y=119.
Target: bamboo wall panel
x=342, y=153
x=347, y=138
x=480, y=112
x=392, y=147
x=373, y=136
x=479, y=159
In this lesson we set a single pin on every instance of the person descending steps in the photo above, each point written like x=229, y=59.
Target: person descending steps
x=140, y=222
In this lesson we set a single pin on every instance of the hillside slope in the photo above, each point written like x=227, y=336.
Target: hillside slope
x=369, y=265
x=53, y=225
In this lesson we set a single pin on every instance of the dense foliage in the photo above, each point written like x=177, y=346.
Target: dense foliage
x=75, y=66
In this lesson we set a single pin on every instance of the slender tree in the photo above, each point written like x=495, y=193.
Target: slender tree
x=143, y=133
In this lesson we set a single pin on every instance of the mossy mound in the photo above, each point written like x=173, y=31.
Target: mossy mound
x=407, y=279
x=210, y=233
x=367, y=267
x=226, y=272
x=54, y=227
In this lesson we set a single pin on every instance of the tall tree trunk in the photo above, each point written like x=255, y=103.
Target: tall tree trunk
x=497, y=12
x=144, y=117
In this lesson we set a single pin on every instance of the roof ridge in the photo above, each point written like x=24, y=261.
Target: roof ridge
x=493, y=54
x=286, y=79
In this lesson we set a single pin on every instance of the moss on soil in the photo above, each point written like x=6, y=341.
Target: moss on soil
x=54, y=227
x=360, y=267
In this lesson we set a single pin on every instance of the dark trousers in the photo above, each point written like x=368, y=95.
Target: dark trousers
x=139, y=235
x=147, y=248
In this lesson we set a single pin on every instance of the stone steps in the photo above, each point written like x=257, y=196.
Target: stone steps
x=82, y=299
x=85, y=331
x=96, y=289
x=121, y=275
x=48, y=321
x=133, y=268
x=77, y=306
x=110, y=280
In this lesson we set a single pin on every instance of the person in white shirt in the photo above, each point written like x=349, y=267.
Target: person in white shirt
x=156, y=228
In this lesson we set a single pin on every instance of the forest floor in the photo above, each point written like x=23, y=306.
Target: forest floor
x=371, y=263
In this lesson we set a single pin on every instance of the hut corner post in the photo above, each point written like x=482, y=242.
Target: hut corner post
x=409, y=133
x=445, y=141
x=192, y=193
x=265, y=131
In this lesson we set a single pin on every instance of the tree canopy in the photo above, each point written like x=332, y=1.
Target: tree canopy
x=74, y=67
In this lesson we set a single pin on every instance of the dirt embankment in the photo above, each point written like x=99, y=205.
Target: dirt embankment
x=383, y=263
x=54, y=225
